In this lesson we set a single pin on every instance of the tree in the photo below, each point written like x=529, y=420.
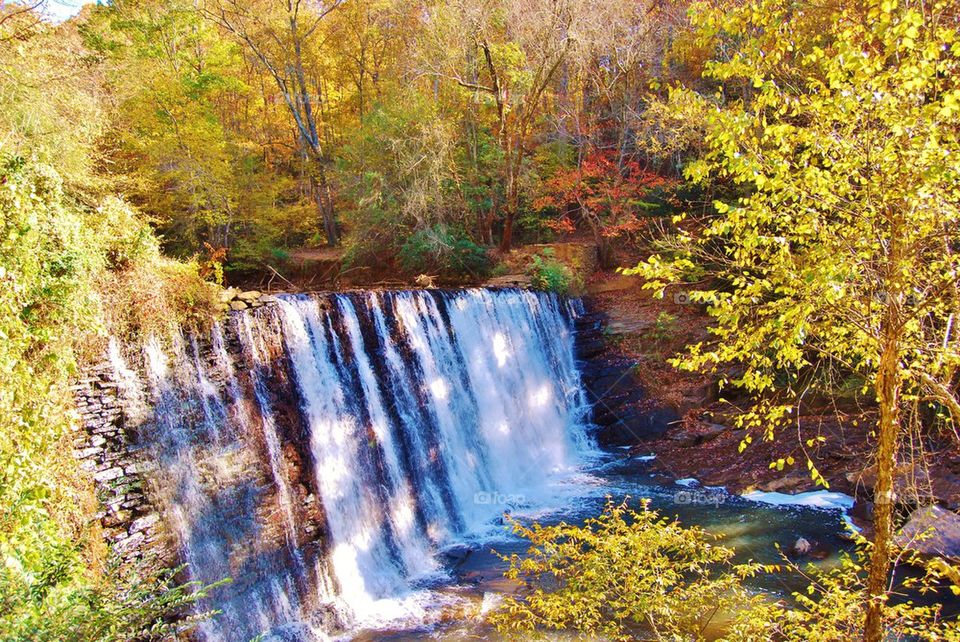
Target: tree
x=166, y=69
x=606, y=196
x=514, y=52
x=842, y=253
x=278, y=33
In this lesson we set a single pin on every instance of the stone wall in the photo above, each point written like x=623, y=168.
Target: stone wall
x=105, y=446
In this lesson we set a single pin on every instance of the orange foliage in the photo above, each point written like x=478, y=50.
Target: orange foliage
x=608, y=195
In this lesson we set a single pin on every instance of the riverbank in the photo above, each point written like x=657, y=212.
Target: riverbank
x=704, y=442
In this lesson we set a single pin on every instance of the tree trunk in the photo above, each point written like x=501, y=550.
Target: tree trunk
x=513, y=159
x=322, y=197
x=509, y=213
x=888, y=396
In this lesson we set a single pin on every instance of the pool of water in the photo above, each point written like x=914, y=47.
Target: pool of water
x=453, y=609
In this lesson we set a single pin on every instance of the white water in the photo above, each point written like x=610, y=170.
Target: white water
x=326, y=458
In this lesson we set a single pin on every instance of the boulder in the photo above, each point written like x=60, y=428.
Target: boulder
x=228, y=295
x=238, y=305
x=802, y=546
x=249, y=295
x=795, y=482
x=907, y=478
x=931, y=530
x=638, y=426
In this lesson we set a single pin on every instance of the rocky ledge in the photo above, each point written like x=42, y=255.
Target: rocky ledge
x=236, y=299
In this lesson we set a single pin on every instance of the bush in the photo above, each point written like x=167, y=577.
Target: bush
x=547, y=273
x=445, y=251
x=631, y=574
x=68, y=275
x=622, y=574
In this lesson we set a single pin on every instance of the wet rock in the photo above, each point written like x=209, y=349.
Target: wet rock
x=802, y=546
x=641, y=426
x=454, y=556
x=931, y=530
x=591, y=348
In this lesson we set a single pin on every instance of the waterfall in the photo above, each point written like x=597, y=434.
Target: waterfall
x=322, y=450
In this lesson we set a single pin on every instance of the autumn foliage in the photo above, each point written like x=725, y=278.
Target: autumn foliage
x=605, y=194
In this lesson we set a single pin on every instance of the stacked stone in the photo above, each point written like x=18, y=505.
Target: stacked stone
x=236, y=300
x=105, y=449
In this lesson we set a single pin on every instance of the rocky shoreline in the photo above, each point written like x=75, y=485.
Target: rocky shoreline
x=682, y=419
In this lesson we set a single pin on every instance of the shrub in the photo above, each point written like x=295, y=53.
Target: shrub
x=547, y=273
x=446, y=251
x=631, y=574
x=69, y=274
x=664, y=327
x=623, y=573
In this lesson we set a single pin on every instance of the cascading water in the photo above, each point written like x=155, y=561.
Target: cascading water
x=321, y=451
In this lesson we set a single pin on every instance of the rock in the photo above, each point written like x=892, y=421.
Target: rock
x=801, y=546
x=139, y=467
x=249, y=295
x=238, y=305
x=907, y=478
x=268, y=298
x=797, y=481
x=116, y=519
x=509, y=280
x=424, y=281
x=129, y=544
x=591, y=348
x=228, y=295
x=637, y=427
x=931, y=530
x=862, y=511
x=454, y=556
x=695, y=437
x=109, y=474
x=144, y=522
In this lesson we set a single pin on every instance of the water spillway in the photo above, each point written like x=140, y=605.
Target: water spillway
x=323, y=450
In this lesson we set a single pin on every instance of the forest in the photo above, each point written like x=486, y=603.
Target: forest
x=794, y=166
